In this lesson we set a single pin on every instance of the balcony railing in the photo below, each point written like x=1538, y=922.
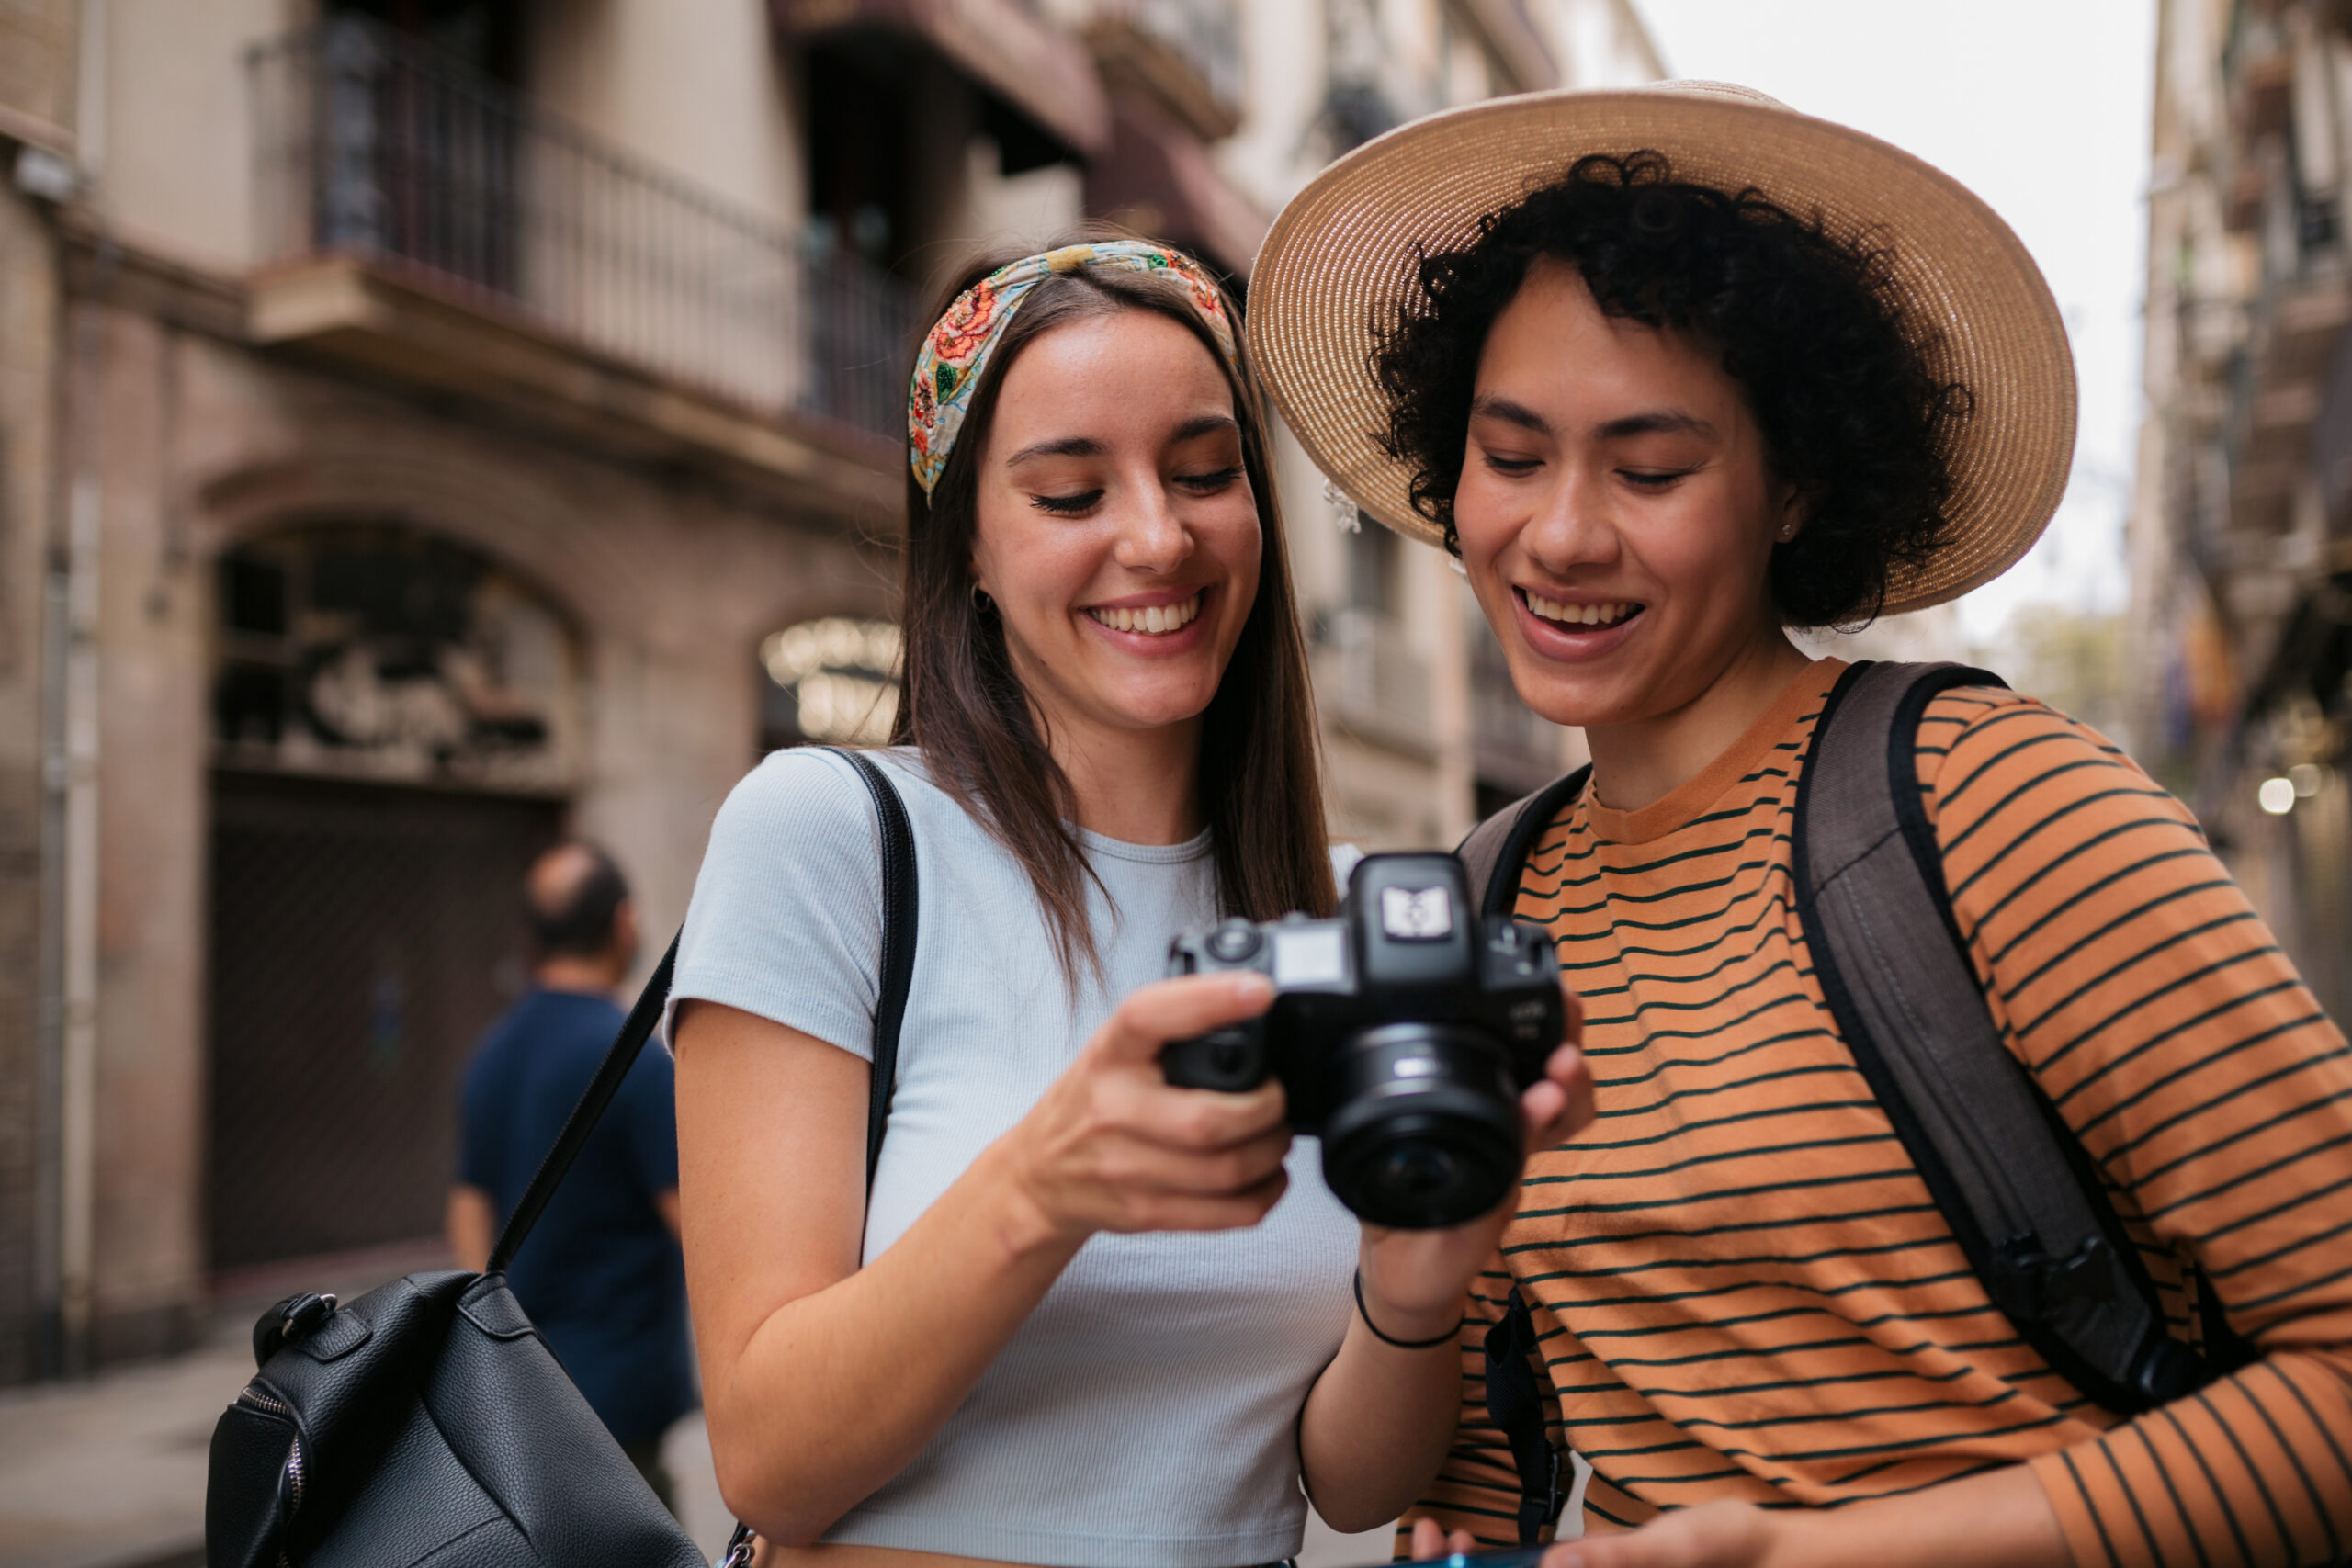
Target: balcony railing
x=1371, y=681
x=1192, y=57
x=374, y=146
x=1514, y=746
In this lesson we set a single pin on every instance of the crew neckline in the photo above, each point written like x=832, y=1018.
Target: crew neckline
x=1190, y=848
x=1703, y=789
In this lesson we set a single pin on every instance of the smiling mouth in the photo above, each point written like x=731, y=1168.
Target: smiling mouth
x=1157, y=620
x=1559, y=615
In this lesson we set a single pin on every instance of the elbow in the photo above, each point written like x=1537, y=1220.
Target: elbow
x=1355, y=1515
x=1351, y=1510
x=766, y=1496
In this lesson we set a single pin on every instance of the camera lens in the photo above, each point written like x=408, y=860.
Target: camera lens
x=1426, y=1130
x=1416, y=1171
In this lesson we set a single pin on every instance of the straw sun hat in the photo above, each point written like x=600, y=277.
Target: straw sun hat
x=1343, y=255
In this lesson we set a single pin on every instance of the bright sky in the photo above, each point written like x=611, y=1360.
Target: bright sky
x=2041, y=106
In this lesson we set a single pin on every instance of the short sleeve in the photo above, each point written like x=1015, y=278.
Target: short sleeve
x=787, y=918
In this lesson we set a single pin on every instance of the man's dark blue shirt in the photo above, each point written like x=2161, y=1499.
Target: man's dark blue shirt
x=601, y=1275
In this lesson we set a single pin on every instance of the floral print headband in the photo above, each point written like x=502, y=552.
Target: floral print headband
x=958, y=349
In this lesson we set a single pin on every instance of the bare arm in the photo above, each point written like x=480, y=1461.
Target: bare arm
x=1999, y=1519
x=821, y=1379
x=1380, y=1417
x=472, y=1224
x=665, y=1203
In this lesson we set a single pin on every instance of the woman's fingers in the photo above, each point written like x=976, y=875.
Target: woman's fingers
x=1189, y=1211
x=1560, y=1103
x=1429, y=1538
x=1193, y=1118
x=1145, y=1166
x=1176, y=1009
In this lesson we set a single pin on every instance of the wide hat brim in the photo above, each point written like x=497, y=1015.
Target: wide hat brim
x=1343, y=255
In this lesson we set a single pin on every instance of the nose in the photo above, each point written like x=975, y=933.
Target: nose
x=1576, y=524
x=1152, y=540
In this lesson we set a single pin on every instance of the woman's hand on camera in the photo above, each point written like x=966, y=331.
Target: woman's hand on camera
x=1414, y=1282
x=1112, y=1148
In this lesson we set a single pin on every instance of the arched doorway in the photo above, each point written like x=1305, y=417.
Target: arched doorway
x=396, y=723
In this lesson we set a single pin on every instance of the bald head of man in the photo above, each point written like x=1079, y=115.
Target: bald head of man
x=583, y=925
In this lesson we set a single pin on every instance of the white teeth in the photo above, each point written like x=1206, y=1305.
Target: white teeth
x=1154, y=620
x=1579, y=614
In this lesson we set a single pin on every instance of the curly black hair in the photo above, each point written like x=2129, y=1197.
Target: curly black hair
x=1807, y=324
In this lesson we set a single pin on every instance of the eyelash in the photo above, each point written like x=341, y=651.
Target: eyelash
x=1515, y=467
x=1085, y=500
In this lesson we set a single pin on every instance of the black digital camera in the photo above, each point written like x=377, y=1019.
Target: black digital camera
x=1402, y=1031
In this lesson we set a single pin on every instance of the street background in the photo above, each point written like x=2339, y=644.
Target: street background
x=428, y=427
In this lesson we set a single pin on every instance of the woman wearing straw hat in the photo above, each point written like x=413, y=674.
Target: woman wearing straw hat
x=1671, y=371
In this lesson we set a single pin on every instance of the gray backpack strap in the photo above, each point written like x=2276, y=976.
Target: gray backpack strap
x=2011, y=1178
x=1493, y=855
x=1504, y=839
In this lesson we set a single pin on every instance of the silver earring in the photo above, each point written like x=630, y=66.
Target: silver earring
x=1788, y=532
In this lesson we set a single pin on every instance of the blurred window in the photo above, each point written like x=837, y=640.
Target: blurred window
x=380, y=652
x=828, y=682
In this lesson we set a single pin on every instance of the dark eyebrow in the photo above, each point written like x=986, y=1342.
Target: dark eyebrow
x=1510, y=414
x=1205, y=424
x=1069, y=447
x=1657, y=422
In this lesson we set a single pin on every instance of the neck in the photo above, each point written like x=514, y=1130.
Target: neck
x=1642, y=761
x=581, y=977
x=1140, y=786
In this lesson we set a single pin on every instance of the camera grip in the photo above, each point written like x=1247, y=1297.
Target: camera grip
x=1230, y=1060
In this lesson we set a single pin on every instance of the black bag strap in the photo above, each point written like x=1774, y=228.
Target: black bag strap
x=1505, y=838
x=1515, y=1399
x=1493, y=855
x=2011, y=1178
x=900, y=887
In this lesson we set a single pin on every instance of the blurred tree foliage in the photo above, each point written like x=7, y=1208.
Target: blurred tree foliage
x=2070, y=659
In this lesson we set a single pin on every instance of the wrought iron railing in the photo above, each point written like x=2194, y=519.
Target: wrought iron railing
x=372, y=144
x=1372, y=680
x=1514, y=746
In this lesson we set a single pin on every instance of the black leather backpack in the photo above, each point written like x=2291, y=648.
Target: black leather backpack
x=429, y=1420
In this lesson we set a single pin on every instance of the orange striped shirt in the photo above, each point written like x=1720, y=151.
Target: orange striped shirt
x=1742, y=1286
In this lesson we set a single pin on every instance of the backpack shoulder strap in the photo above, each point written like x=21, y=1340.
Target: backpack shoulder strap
x=898, y=909
x=1503, y=840
x=2010, y=1177
x=1493, y=855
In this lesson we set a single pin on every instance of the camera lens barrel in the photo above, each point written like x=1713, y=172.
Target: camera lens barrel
x=1426, y=1132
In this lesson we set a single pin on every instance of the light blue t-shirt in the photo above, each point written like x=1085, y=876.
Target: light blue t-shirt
x=1143, y=1416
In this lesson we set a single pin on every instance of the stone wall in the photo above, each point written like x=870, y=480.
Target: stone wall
x=28, y=342
x=672, y=579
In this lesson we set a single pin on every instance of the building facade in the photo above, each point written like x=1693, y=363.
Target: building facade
x=2241, y=534
x=428, y=426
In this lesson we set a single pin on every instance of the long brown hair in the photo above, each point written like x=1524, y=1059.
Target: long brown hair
x=1259, y=786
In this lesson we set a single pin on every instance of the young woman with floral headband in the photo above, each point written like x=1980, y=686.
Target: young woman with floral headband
x=1084, y=1318
x=1671, y=371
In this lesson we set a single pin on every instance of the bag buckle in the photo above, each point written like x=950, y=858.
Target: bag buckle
x=739, y=1547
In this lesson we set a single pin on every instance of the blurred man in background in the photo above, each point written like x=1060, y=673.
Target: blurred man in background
x=602, y=1277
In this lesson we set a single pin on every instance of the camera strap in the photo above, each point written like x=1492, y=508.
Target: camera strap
x=1515, y=1399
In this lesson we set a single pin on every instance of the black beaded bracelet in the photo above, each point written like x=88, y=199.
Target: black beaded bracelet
x=1448, y=1337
